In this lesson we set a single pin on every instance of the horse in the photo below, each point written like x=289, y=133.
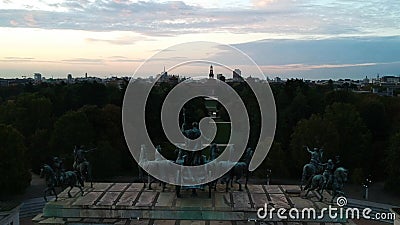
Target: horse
x=70, y=178
x=309, y=171
x=240, y=169
x=339, y=179
x=144, y=162
x=192, y=159
x=320, y=183
x=84, y=170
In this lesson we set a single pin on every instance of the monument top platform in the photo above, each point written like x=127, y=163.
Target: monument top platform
x=131, y=203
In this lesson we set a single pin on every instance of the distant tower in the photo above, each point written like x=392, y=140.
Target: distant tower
x=69, y=78
x=37, y=77
x=211, y=75
x=85, y=75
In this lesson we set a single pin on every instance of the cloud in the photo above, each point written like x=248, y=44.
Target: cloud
x=307, y=17
x=30, y=20
x=83, y=61
x=261, y=3
x=303, y=67
x=341, y=57
x=126, y=40
x=12, y=59
x=18, y=58
x=13, y=23
x=124, y=59
x=351, y=50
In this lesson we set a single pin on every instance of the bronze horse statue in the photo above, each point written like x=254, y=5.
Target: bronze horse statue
x=319, y=183
x=69, y=179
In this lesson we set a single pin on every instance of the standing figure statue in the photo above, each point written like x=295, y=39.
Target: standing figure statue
x=214, y=151
x=190, y=158
x=193, y=158
x=328, y=172
x=314, y=167
x=337, y=162
x=81, y=165
x=316, y=156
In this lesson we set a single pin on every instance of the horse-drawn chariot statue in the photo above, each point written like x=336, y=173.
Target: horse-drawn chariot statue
x=192, y=154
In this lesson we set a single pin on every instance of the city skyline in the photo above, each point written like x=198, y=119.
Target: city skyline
x=303, y=39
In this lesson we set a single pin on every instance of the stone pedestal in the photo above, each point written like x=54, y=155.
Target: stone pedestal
x=130, y=203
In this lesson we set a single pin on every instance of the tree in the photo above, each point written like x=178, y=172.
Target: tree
x=71, y=129
x=313, y=132
x=14, y=170
x=354, y=137
x=373, y=113
x=27, y=113
x=392, y=164
x=276, y=161
x=354, y=146
x=340, y=131
x=38, y=151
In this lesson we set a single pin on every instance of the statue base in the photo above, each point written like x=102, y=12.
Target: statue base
x=131, y=203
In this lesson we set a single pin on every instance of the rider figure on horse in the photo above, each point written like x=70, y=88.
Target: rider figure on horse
x=80, y=161
x=316, y=156
x=328, y=172
x=193, y=158
x=58, y=169
x=314, y=167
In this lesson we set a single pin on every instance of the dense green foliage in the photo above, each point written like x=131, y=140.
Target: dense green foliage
x=48, y=120
x=15, y=176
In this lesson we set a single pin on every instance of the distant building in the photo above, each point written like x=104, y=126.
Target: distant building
x=37, y=77
x=390, y=79
x=115, y=82
x=211, y=74
x=221, y=77
x=163, y=76
x=277, y=80
x=237, y=76
x=365, y=80
x=4, y=83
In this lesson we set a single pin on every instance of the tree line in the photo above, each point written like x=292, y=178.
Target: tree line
x=41, y=121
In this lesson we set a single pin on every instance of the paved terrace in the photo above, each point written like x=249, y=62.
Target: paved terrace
x=130, y=203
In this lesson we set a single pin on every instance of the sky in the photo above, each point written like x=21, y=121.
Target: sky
x=311, y=39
